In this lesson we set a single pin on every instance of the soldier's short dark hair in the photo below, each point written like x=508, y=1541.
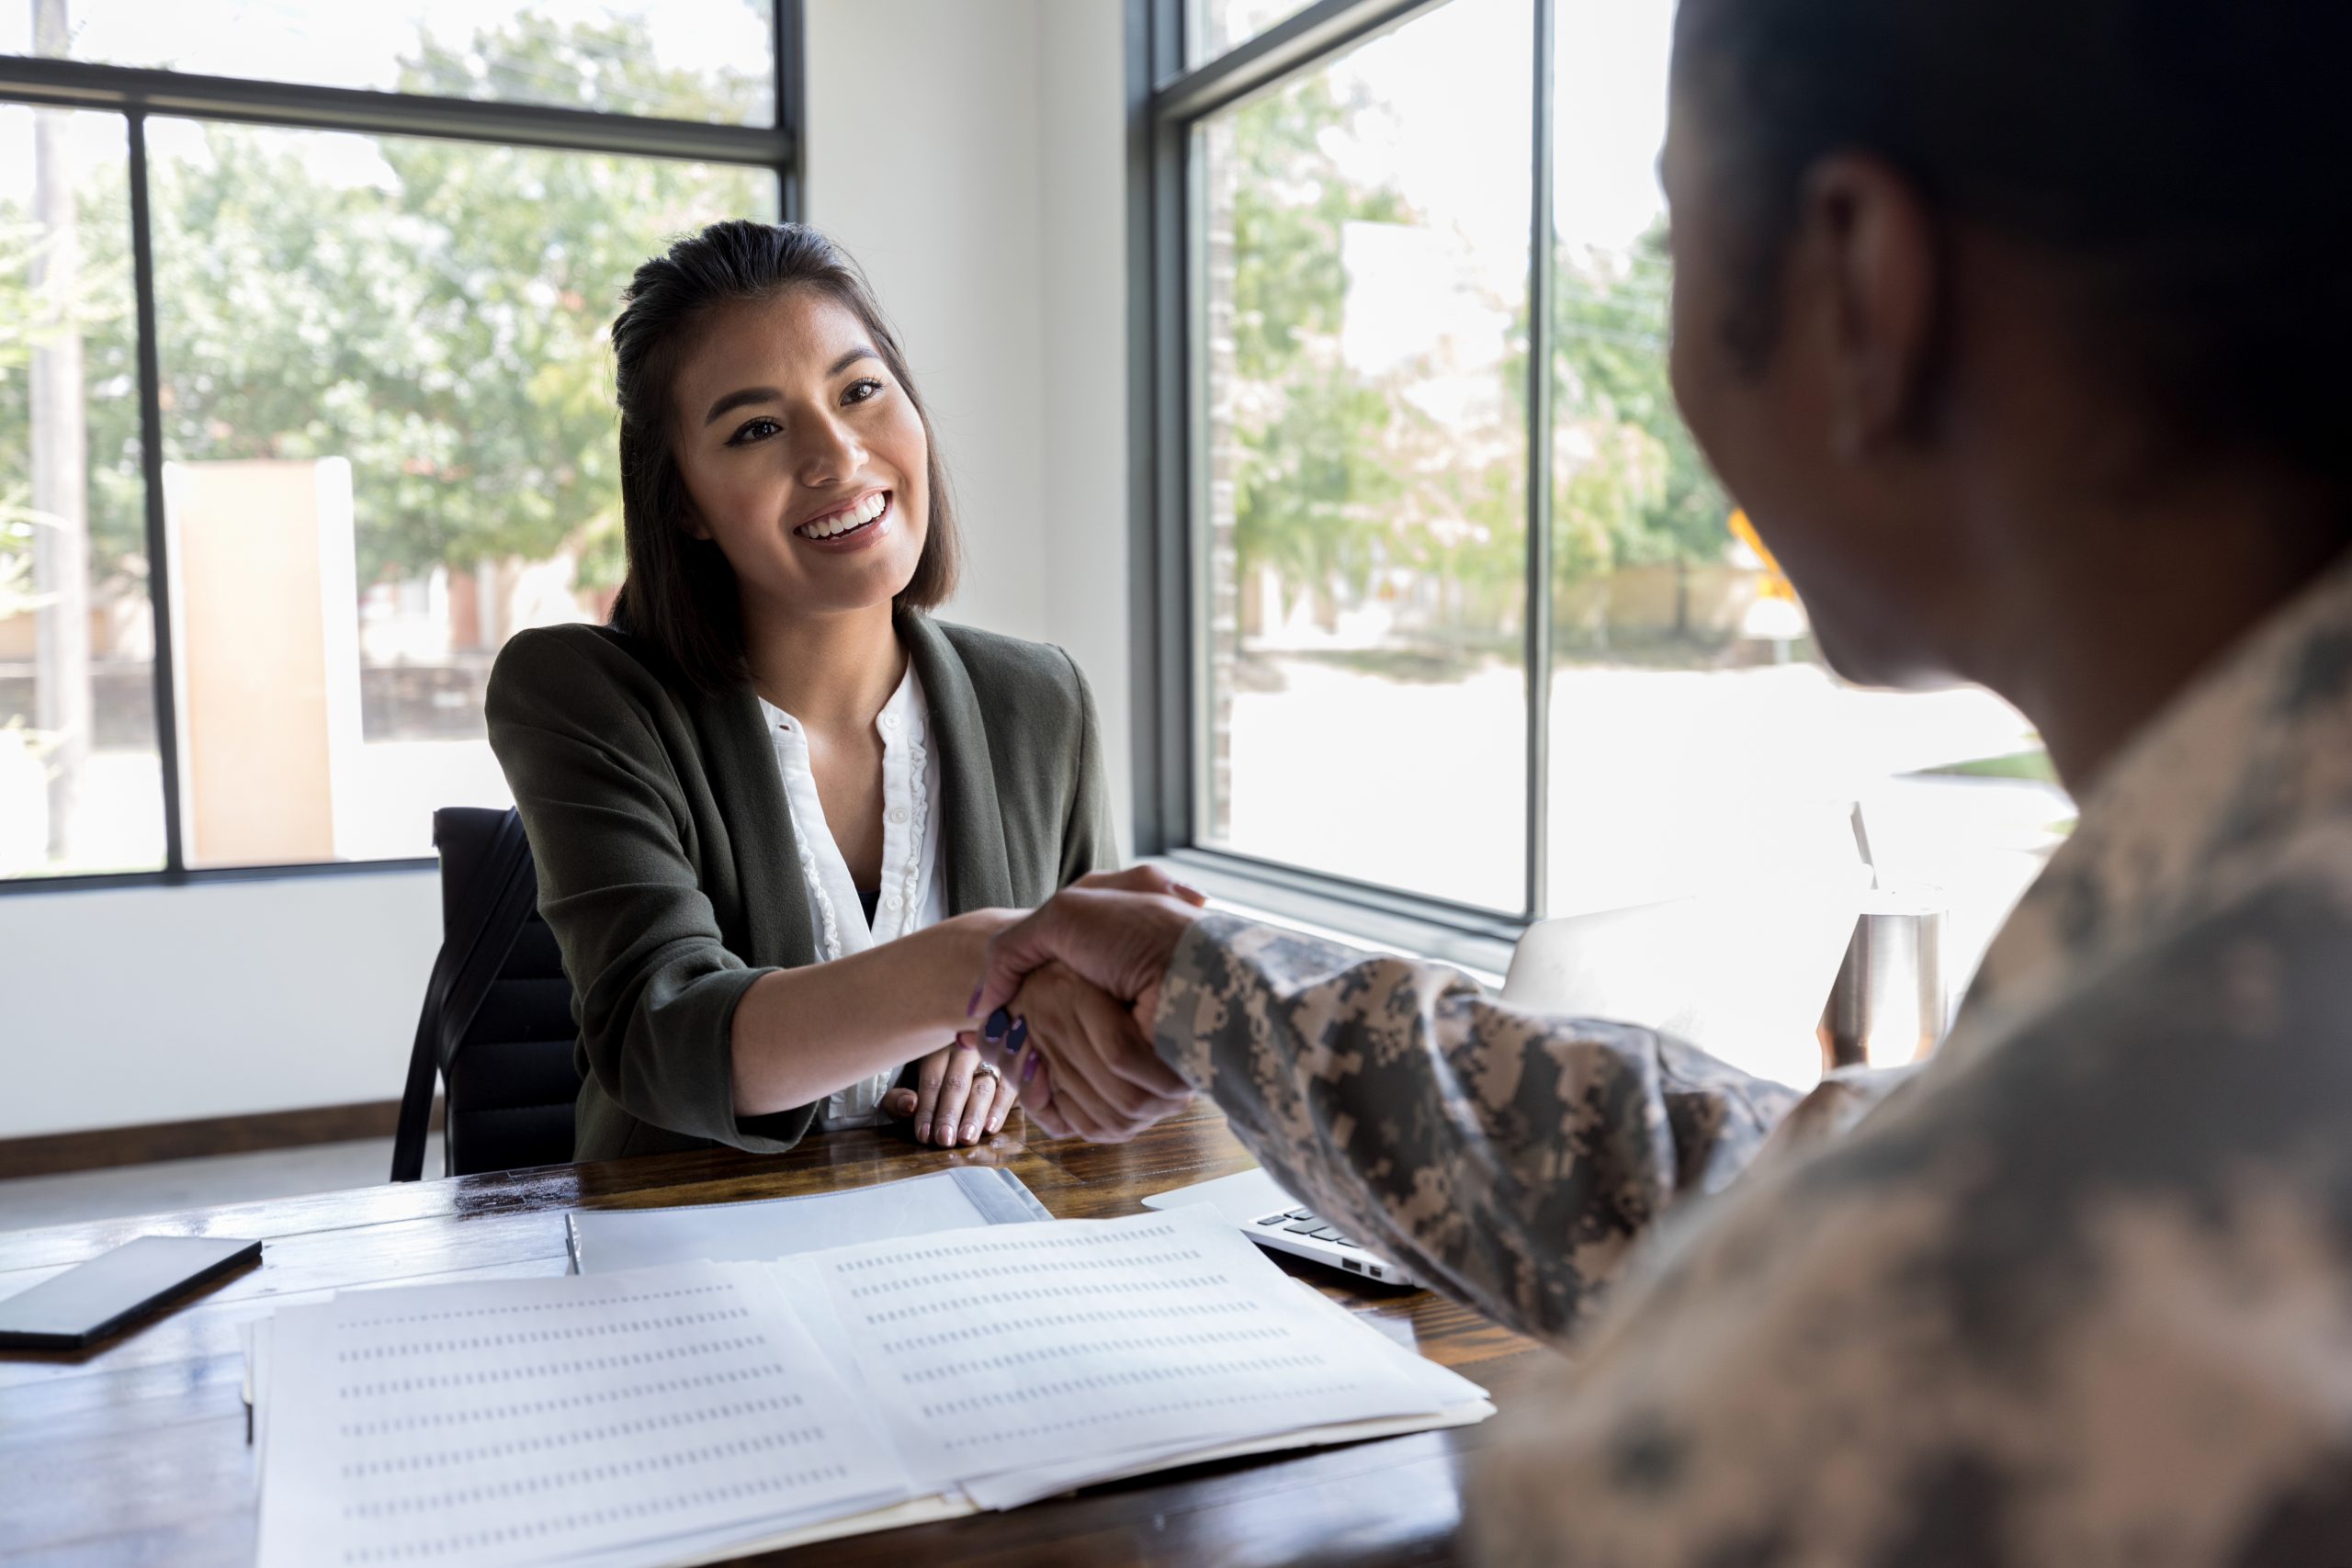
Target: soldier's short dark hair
x=2187, y=158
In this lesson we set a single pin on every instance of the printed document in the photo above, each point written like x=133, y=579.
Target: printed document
x=524, y=1421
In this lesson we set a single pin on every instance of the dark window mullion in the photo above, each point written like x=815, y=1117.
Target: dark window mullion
x=1185, y=578
x=791, y=109
x=1540, y=284
x=1160, y=578
x=296, y=106
x=151, y=464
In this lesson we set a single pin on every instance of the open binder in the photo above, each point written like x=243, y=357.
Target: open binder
x=693, y=1411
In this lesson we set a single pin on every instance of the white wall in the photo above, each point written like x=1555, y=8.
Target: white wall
x=165, y=1004
x=971, y=156
x=1084, y=408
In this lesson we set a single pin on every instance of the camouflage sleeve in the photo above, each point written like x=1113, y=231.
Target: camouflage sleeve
x=1508, y=1159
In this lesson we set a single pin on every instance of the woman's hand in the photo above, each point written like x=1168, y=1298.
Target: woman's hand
x=959, y=1099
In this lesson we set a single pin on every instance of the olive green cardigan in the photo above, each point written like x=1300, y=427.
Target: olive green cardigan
x=668, y=867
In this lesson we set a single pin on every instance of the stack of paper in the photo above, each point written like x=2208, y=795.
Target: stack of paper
x=676, y=1414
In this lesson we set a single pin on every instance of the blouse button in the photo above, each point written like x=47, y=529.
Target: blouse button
x=891, y=902
x=898, y=814
x=889, y=721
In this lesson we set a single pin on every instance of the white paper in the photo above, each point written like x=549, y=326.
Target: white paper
x=605, y=1241
x=1465, y=1404
x=725, y=1545
x=1448, y=1386
x=623, y=1418
x=1018, y=1488
x=1021, y=1347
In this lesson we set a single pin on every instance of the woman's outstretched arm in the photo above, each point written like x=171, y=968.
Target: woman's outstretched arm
x=799, y=1034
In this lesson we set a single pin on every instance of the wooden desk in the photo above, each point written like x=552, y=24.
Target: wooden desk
x=137, y=1452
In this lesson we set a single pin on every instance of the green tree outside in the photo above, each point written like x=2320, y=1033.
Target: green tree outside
x=1337, y=474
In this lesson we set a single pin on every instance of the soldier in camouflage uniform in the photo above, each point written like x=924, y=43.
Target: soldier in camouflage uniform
x=2020, y=329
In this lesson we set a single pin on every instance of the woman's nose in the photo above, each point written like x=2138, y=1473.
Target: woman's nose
x=830, y=452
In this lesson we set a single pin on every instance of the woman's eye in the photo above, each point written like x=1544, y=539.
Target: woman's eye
x=860, y=390
x=753, y=430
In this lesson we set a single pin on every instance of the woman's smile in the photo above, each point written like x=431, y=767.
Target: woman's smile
x=862, y=522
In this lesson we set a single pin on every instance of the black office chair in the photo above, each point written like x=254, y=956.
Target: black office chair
x=497, y=1028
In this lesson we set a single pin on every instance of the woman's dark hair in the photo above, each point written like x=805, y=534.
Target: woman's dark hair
x=2190, y=158
x=680, y=593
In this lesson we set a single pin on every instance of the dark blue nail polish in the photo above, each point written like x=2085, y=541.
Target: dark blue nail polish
x=994, y=1030
x=1020, y=1032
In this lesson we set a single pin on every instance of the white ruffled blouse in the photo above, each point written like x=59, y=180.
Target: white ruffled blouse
x=914, y=892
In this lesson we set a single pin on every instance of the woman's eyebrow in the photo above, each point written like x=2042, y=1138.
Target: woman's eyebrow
x=736, y=399
x=862, y=350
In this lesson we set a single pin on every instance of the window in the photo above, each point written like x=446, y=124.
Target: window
x=394, y=346
x=1439, y=641
x=305, y=400
x=1363, y=284
x=705, y=61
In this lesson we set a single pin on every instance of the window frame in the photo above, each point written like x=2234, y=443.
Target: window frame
x=137, y=92
x=1167, y=100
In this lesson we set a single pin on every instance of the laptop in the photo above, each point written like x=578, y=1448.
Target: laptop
x=1280, y=1223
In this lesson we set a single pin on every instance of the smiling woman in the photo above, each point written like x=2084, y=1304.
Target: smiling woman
x=776, y=808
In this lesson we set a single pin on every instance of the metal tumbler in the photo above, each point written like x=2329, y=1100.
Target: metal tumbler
x=1890, y=1003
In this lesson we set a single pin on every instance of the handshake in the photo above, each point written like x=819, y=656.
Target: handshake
x=1066, y=999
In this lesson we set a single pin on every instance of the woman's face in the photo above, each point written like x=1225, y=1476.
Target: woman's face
x=804, y=459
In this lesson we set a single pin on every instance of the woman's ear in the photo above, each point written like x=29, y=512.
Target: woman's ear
x=690, y=523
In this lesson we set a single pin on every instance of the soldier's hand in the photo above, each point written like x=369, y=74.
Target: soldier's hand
x=1116, y=930
x=1083, y=1064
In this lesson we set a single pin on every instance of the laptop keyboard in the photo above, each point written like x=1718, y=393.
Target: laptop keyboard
x=1306, y=1222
